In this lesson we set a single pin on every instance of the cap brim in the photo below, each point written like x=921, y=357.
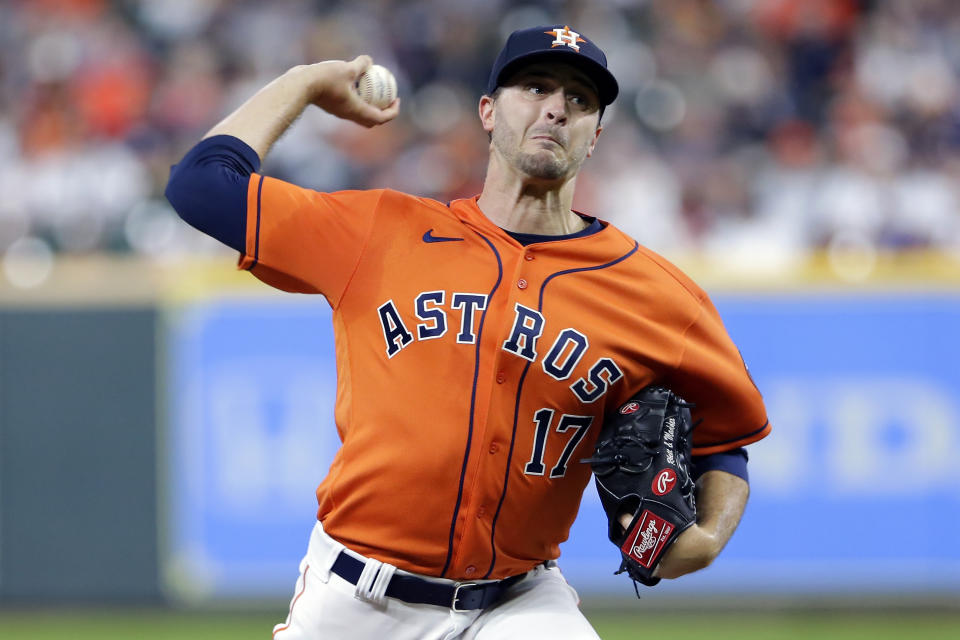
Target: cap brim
x=607, y=87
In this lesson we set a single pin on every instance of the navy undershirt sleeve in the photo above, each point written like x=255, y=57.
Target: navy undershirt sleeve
x=734, y=462
x=208, y=188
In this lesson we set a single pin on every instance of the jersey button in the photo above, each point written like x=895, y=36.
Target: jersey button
x=522, y=283
x=470, y=570
x=482, y=511
x=528, y=256
x=501, y=377
x=494, y=447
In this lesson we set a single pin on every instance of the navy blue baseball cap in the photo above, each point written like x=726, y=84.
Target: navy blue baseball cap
x=556, y=43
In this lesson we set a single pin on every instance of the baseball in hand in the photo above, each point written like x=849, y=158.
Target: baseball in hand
x=377, y=86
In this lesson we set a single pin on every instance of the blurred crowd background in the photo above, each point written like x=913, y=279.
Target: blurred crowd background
x=768, y=128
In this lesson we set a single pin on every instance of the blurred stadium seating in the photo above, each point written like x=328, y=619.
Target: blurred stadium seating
x=767, y=128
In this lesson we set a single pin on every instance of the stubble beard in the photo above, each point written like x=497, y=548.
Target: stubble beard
x=541, y=164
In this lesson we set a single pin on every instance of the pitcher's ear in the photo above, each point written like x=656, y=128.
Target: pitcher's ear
x=486, y=111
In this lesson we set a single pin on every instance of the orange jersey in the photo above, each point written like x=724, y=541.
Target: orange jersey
x=474, y=373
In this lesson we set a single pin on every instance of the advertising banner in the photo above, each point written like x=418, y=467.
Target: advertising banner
x=856, y=490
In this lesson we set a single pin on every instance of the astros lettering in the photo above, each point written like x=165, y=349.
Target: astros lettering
x=566, y=352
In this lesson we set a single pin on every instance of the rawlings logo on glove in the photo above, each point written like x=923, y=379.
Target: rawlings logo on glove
x=654, y=533
x=641, y=465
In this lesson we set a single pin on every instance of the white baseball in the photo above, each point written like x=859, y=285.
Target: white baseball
x=377, y=86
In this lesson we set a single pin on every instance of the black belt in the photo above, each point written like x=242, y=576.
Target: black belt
x=463, y=596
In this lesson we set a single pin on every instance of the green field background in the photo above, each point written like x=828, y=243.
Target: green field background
x=678, y=624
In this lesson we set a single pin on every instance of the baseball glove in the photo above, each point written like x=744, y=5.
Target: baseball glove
x=641, y=466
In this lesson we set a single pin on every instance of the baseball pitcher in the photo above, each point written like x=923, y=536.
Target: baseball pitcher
x=493, y=354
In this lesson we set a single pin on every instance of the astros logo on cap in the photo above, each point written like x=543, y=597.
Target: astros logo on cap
x=565, y=37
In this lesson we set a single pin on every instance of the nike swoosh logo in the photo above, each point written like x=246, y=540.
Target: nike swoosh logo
x=429, y=237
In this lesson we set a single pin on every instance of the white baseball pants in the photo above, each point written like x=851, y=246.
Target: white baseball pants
x=327, y=607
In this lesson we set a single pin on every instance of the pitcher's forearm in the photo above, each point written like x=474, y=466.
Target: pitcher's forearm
x=261, y=120
x=721, y=499
x=329, y=85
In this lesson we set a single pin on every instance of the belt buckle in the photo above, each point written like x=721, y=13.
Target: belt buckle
x=456, y=595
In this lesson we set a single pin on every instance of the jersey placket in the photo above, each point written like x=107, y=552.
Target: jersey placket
x=494, y=454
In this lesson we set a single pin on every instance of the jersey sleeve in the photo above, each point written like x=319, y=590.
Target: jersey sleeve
x=729, y=411
x=305, y=241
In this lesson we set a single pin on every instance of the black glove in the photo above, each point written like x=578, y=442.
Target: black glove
x=642, y=468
